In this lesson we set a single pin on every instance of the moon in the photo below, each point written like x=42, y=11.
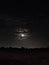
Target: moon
x=22, y=35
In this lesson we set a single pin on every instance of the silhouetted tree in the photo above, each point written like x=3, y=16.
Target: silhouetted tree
x=2, y=47
x=10, y=47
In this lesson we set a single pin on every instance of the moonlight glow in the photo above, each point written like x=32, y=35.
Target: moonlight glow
x=22, y=35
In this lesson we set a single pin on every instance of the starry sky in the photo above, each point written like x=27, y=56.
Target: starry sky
x=35, y=19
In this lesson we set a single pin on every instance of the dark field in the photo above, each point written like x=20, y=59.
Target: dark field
x=15, y=56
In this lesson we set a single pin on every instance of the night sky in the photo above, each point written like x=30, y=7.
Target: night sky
x=35, y=19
